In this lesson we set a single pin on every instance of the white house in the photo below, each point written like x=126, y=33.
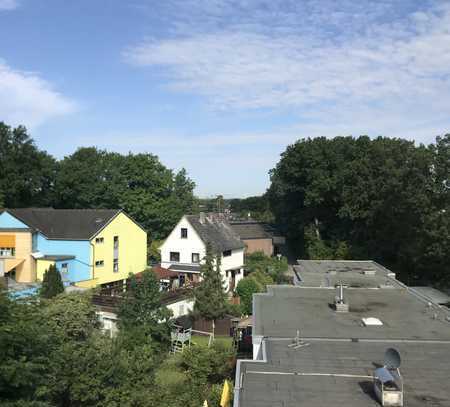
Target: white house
x=185, y=248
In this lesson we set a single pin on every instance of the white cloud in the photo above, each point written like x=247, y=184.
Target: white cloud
x=385, y=65
x=27, y=99
x=249, y=69
x=8, y=4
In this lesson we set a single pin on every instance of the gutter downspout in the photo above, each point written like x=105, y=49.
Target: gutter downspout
x=93, y=258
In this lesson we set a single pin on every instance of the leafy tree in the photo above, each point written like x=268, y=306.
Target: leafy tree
x=245, y=289
x=274, y=267
x=210, y=297
x=70, y=316
x=139, y=183
x=142, y=307
x=25, y=348
x=52, y=284
x=263, y=279
x=377, y=199
x=153, y=251
x=26, y=173
x=257, y=206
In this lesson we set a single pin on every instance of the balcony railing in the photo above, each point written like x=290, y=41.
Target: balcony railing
x=7, y=252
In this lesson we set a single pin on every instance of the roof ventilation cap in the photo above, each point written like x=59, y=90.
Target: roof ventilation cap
x=339, y=302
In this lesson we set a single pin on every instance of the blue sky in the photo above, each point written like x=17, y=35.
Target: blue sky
x=221, y=87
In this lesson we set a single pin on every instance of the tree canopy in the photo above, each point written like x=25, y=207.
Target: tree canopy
x=210, y=297
x=152, y=194
x=383, y=199
x=142, y=307
x=26, y=173
x=52, y=284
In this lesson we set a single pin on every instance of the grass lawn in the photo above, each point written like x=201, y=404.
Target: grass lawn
x=202, y=340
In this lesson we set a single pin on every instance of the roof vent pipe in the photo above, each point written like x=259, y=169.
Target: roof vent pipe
x=339, y=301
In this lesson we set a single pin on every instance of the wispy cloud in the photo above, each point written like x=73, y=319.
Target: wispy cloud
x=25, y=98
x=8, y=4
x=384, y=61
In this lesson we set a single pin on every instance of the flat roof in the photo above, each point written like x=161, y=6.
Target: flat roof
x=329, y=273
x=335, y=363
x=433, y=294
x=283, y=310
x=337, y=373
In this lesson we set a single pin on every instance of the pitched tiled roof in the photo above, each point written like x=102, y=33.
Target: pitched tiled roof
x=73, y=224
x=217, y=232
x=252, y=230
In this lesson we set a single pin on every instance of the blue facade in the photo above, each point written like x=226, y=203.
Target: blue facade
x=79, y=269
x=10, y=222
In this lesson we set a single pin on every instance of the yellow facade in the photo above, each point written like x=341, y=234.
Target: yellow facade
x=132, y=250
x=22, y=260
x=41, y=267
x=87, y=283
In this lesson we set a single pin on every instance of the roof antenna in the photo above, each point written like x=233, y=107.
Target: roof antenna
x=298, y=342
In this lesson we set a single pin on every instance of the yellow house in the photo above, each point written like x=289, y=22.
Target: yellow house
x=88, y=246
x=118, y=250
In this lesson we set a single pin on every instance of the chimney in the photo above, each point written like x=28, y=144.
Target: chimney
x=202, y=218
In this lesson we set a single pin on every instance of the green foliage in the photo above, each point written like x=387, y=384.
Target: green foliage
x=262, y=278
x=199, y=372
x=142, y=307
x=24, y=354
x=151, y=193
x=154, y=255
x=380, y=199
x=52, y=284
x=26, y=174
x=257, y=206
x=234, y=309
x=210, y=297
x=245, y=289
x=272, y=266
x=70, y=316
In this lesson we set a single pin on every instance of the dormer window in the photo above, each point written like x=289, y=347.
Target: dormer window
x=184, y=233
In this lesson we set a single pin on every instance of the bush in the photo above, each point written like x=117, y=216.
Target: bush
x=245, y=289
x=271, y=266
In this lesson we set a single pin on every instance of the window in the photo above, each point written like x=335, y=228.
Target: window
x=7, y=251
x=64, y=267
x=99, y=240
x=116, y=265
x=183, y=233
x=99, y=263
x=116, y=242
x=195, y=258
x=227, y=253
x=175, y=256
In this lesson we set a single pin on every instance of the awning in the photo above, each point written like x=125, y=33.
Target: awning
x=8, y=241
x=185, y=268
x=11, y=264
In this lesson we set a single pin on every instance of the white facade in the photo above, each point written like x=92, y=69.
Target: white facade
x=185, y=246
x=231, y=265
x=181, y=307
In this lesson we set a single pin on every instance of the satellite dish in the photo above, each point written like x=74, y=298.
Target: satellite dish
x=392, y=358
